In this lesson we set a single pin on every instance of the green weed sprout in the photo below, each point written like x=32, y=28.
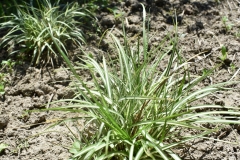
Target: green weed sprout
x=137, y=110
x=29, y=29
x=217, y=1
x=4, y=64
x=3, y=146
x=224, y=55
x=237, y=34
x=117, y=14
x=1, y=88
x=94, y=5
x=228, y=26
x=8, y=64
x=233, y=67
x=2, y=83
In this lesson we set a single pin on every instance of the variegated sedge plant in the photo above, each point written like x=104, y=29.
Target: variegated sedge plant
x=136, y=108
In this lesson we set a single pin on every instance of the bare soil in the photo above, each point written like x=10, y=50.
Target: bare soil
x=201, y=34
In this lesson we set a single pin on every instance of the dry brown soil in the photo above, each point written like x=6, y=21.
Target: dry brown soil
x=201, y=35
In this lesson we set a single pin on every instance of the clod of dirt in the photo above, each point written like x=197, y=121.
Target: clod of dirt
x=3, y=121
x=163, y=3
x=189, y=10
x=27, y=90
x=197, y=26
x=65, y=93
x=39, y=102
x=62, y=76
x=37, y=118
x=134, y=19
x=108, y=21
x=30, y=89
x=133, y=4
x=2, y=97
x=133, y=29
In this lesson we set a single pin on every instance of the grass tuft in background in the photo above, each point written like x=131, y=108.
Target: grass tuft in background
x=28, y=31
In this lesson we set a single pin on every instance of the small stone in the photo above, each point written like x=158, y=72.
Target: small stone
x=3, y=121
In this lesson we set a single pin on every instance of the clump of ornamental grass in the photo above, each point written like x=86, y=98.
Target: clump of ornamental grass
x=28, y=31
x=135, y=108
